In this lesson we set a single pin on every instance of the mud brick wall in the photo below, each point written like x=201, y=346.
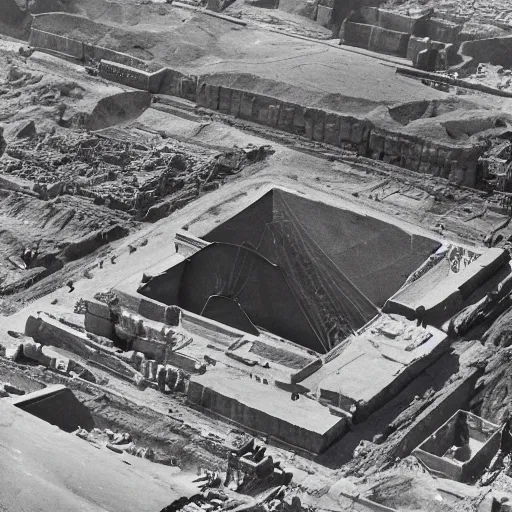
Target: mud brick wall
x=61, y=44
x=456, y=163
x=126, y=75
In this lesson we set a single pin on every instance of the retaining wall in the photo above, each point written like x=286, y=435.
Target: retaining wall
x=457, y=163
x=46, y=40
x=79, y=50
x=126, y=75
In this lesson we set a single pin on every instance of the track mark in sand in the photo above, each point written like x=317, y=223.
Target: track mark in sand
x=266, y=61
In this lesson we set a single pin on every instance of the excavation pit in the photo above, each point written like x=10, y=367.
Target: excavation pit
x=461, y=448
x=303, y=270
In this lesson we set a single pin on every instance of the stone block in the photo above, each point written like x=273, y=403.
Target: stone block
x=389, y=41
x=224, y=100
x=95, y=307
x=172, y=315
x=332, y=129
x=392, y=145
x=356, y=34
x=357, y=132
x=299, y=121
x=309, y=120
x=246, y=105
x=273, y=114
x=345, y=124
x=236, y=98
x=324, y=16
x=319, y=126
x=286, y=116
x=98, y=325
x=212, y=96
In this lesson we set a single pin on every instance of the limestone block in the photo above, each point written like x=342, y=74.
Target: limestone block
x=392, y=145
x=246, y=105
x=309, y=120
x=172, y=315
x=357, y=132
x=345, y=129
x=261, y=115
x=236, y=98
x=299, y=121
x=224, y=100
x=273, y=114
x=97, y=308
x=356, y=34
x=212, y=97
x=286, y=116
x=332, y=129
x=324, y=16
x=98, y=325
x=319, y=125
x=189, y=88
x=389, y=41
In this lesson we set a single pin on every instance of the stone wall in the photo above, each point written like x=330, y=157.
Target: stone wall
x=497, y=51
x=389, y=41
x=79, y=50
x=61, y=44
x=119, y=67
x=372, y=37
x=393, y=21
x=125, y=75
x=454, y=162
x=93, y=53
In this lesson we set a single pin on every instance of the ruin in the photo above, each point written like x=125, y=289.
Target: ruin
x=255, y=256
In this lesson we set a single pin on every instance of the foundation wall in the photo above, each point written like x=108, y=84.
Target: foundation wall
x=260, y=421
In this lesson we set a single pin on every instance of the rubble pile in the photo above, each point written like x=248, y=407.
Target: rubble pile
x=124, y=176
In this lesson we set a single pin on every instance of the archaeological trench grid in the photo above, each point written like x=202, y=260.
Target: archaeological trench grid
x=255, y=255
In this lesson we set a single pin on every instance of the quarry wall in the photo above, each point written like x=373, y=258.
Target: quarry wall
x=119, y=67
x=79, y=50
x=455, y=162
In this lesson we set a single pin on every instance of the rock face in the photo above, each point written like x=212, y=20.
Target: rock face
x=3, y=144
